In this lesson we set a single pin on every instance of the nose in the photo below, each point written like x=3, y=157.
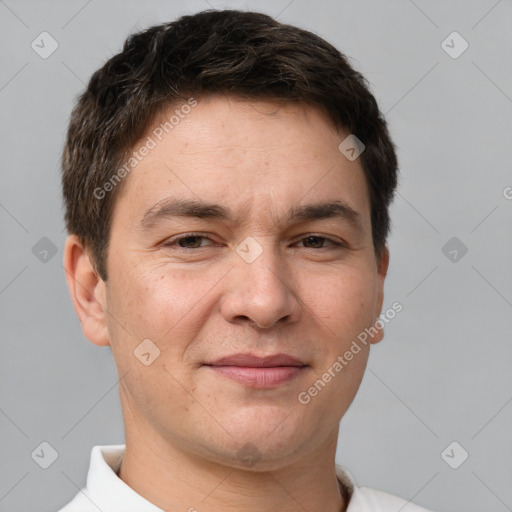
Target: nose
x=261, y=292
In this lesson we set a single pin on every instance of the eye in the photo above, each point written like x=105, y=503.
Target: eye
x=188, y=241
x=193, y=241
x=316, y=240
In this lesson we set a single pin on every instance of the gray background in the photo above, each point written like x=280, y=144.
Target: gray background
x=442, y=373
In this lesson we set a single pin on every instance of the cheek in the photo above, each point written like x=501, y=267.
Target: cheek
x=147, y=301
x=163, y=304
x=345, y=302
x=149, y=306
x=344, y=308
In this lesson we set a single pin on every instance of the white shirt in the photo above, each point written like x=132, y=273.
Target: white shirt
x=106, y=492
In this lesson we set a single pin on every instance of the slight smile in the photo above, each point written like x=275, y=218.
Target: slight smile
x=259, y=372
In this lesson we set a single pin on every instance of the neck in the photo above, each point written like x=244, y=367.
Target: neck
x=173, y=478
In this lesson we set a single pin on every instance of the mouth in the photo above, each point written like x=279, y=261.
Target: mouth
x=258, y=372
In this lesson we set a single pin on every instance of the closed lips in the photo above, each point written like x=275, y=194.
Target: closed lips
x=252, y=361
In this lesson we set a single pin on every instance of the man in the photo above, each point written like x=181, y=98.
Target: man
x=227, y=180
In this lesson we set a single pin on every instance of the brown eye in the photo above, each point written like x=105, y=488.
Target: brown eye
x=184, y=242
x=317, y=242
x=189, y=241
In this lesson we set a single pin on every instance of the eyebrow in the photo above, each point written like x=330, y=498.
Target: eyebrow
x=171, y=207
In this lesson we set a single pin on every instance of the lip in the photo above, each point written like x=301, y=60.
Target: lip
x=259, y=372
x=253, y=361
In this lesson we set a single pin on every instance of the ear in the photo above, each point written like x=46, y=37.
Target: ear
x=382, y=270
x=88, y=292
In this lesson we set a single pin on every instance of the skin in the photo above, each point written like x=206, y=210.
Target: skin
x=185, y=425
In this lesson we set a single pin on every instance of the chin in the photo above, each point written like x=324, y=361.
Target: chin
x=262, y=447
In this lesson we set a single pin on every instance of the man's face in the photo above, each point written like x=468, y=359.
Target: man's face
x=258, y=283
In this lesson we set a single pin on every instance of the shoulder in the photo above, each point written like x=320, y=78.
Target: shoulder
x=364, y=499
x=379, y=501
x=79, y=503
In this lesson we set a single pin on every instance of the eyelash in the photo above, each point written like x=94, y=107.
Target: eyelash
x=174, y=243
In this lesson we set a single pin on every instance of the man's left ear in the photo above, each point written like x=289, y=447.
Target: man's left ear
x=382, y=270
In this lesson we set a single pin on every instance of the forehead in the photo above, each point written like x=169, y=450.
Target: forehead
x=233, y=151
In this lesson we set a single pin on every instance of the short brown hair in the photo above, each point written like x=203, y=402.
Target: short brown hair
x=240, y=53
